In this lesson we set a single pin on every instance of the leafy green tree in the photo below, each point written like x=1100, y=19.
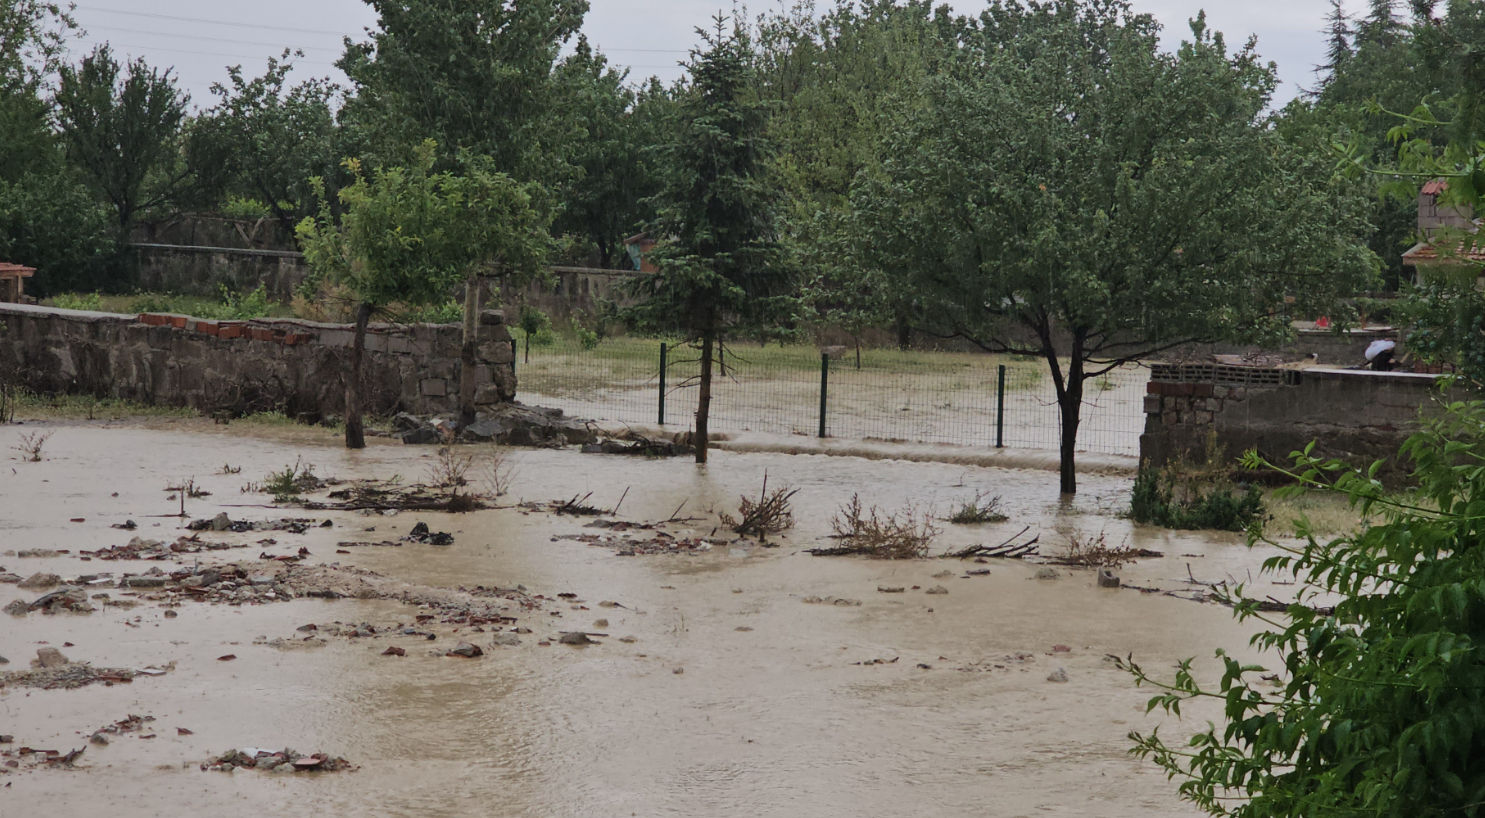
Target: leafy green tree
x=33, y=41
x=120, y=125
x=270, y=140
x=409, y=236
x=1377, y=702
x=50, y=221
x=472, y=74
x=840, y=81
x=611, y=126
x=1071, y=192
x=721, y=264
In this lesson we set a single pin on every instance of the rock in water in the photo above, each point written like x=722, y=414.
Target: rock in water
x=1047, y=573
x=40, y=581
x=466, y=650
x=221, y=522
x=47, y=658
x=576, y=638
x=1058, y=675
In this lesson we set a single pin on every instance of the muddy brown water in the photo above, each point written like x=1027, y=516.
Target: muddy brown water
x=776, y=720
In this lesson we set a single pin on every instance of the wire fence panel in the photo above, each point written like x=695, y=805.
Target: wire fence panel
x=920, y=397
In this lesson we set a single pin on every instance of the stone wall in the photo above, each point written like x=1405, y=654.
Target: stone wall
x=1356, y=415
x=193, y=270
x=247, y=366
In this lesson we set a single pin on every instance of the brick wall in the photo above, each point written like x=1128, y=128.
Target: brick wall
x=247, y=366
x=1355, y=415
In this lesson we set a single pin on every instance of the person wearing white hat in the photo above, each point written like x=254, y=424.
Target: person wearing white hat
x=1379, y=355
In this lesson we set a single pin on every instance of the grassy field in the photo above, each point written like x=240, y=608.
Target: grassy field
x=932, y=397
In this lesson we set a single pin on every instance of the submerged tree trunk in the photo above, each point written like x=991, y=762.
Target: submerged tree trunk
x=1069, y=405
x=355, y=432
x=704, y=401
x=466, y=355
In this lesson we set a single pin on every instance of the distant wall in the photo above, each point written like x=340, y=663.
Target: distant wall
x=573, y=291
x=195, y=270
x=1355, y=415
x=247, y=366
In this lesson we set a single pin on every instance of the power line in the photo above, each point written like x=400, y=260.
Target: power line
x=297, y=30
x=149, y=48
x=212, y=39
x=212, y=22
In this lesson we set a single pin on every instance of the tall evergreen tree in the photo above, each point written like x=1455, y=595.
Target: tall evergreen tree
x=721, y=264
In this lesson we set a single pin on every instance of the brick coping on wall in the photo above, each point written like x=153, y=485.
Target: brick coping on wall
x=286, y=331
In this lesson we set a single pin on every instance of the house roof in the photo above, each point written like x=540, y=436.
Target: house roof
x=1434, y=187
x=1426, y=253
x=8, y=270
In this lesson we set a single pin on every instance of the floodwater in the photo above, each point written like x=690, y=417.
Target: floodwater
x=778, y=720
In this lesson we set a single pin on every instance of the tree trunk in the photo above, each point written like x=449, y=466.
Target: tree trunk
x=1070, y=404
x=355, y=433
x=904, y=333
x=466, y=355
x=704, y=401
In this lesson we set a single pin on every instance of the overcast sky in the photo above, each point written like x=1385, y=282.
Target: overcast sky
x=201, y=38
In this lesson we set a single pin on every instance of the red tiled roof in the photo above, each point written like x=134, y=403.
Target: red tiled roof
x=1434, y=187
x=1428, y=253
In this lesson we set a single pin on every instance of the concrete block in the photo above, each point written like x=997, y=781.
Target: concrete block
x=1202, y=390
x=376, y=342
x=492, y=318
x=335, y=338
x=399, y=344
x=434, y=387
x=228, y=331
x=1152, y=404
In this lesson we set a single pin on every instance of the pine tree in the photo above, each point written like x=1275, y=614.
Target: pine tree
x=721, y=264
x=1339, y=51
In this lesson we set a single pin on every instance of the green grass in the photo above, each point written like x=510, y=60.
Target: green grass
x=30, y=406
x=135, y=303
x=968, y=369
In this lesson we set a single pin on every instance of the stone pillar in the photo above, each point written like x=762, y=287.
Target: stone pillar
x=497, y=381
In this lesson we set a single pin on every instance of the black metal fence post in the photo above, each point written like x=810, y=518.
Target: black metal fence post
x=824, y=388
x=513, y=350
x=1000, y=409
x=662, y=384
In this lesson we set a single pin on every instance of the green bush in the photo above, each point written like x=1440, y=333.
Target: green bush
x=74, y=301
x=1168, y=499
x=449, y=312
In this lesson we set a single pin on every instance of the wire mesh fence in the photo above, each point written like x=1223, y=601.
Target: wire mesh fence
x=920, y=397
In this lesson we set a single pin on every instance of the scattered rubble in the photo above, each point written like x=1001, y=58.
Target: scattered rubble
x=139, y=548
x=511, y=424
x=71, y=675
x=131, y=724
x=830, y=600
x=42, y=553
x=291, y=525
x=638, y=445
x=283, y=761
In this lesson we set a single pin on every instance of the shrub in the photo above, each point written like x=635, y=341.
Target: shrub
x=1170, y=499
x=73, y=301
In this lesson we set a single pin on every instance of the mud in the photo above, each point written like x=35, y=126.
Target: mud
x=713, y=692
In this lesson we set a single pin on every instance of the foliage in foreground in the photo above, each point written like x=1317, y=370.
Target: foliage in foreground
x=1379, y=700
x=1170, y=499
